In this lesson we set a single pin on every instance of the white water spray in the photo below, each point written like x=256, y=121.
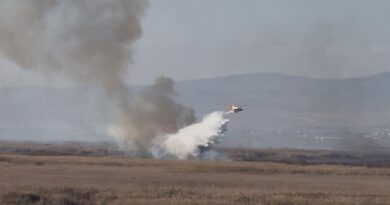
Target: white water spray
x=186, y=142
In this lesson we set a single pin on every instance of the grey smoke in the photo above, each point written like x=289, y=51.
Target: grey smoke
x=90, y=41
x=152, y=113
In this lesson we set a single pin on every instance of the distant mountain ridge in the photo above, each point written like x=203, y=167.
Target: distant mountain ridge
x=293, y=94
x=273, y=103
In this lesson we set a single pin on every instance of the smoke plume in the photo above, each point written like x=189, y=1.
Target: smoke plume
x=152, y=112
x=90, y=41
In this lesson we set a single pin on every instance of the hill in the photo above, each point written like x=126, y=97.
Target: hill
x=280, y=111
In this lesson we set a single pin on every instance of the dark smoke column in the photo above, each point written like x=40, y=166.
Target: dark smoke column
x=90, y=42
x=151, y=113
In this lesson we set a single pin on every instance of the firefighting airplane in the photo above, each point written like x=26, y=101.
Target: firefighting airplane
x=234, y=108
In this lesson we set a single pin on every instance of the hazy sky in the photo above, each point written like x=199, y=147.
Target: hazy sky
x=187, y=39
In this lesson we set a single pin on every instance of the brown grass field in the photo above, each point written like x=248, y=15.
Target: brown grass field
x=72, y=180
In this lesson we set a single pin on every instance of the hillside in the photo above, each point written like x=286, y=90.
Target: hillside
x=280, y=111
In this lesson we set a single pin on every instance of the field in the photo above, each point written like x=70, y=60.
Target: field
x=115, y=179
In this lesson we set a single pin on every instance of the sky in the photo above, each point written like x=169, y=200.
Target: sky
x=191, y=39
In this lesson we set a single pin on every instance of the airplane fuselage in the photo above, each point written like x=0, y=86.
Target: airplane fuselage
x=234, y=109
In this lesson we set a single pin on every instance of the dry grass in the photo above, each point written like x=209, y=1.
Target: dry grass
x=119, y=180
x=268, y=168
x=378, y=158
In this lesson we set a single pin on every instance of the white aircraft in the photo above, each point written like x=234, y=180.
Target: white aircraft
x=234, y=108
